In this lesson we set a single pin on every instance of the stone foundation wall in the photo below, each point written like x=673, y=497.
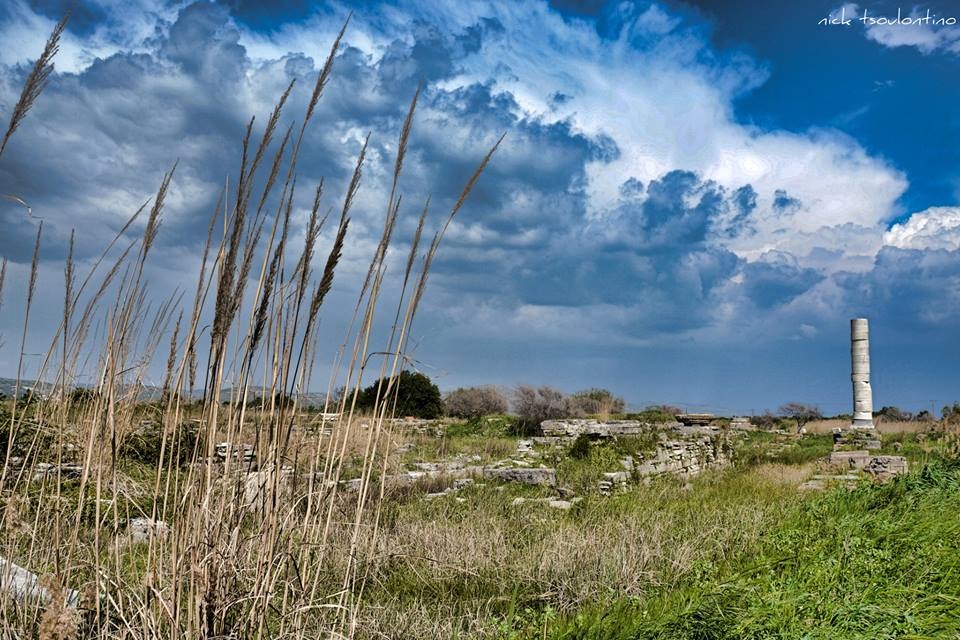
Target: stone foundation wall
x=682, y=450
x=686, y=457
x=573, y=428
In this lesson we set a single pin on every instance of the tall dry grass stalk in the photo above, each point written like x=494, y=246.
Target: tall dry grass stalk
x=36, y=81
x=151, y=510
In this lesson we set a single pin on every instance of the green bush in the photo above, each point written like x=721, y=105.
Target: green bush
x=595, y=401
x=416, y=396
x=29, y=437
x=536, y=404
x=580, y=448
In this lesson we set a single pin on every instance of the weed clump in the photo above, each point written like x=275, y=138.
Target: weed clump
x=148, y=445
x=580, y=448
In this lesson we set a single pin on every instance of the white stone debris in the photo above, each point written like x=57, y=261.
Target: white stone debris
x=49, y=471
x=237, y=452
x=140, y=529
x=23, y=586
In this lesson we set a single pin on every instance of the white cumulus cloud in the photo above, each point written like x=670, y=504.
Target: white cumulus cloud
x=934, y=228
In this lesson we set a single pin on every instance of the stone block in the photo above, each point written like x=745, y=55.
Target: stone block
x=527, y=475
x=850, y=459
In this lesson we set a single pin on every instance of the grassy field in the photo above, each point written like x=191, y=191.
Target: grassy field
x=731, y=554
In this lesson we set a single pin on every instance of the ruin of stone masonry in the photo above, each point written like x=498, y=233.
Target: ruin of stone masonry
x=860, y=374
x=682, y=450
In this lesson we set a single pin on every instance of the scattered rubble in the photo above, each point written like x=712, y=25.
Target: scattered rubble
x=881, y=467
x=236, y=452
x=553, y=503
x=525, y=449
x=257, y=483
x=140, y=529
x=822, y=481
x=885, y=467
x=614, y=481
x=49, y=471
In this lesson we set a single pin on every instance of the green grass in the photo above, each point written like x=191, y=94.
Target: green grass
x=494, y=426
x=757, y=447
x=881, y=561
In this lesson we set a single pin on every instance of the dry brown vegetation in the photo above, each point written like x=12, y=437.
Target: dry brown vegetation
x=882, y=425
x=270, y=548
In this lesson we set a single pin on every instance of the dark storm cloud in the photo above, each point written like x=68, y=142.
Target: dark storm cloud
x=908, y=287
x=776, y=279
x=658, y=255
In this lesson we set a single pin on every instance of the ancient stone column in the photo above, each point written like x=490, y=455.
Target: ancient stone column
x=860, y=373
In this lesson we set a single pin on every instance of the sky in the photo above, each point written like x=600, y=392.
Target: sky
x=692, y=199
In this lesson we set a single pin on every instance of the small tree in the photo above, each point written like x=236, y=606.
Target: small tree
x=802, y=413
x=416, y=396
x=534, y=405
x=766, y=420
x=475, y=402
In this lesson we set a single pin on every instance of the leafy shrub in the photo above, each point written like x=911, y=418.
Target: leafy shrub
x=595, y=401
x=767, y=421
x=474, y=402
x=534, y=405
x=580, y=448
x=894, y=414
x=416, y=396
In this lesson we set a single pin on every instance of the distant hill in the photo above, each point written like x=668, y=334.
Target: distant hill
x=9, y=385
x=150, y=393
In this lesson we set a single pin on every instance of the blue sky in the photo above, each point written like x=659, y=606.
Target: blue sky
x=692, y=199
